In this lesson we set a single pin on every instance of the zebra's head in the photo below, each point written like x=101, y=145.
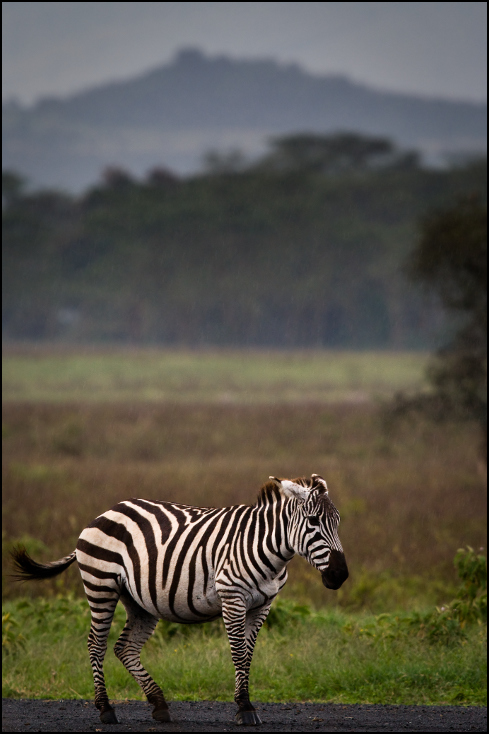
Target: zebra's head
x=313, y=531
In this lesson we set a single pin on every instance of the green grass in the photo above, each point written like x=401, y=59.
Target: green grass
x=321, y=657
x=227, y=376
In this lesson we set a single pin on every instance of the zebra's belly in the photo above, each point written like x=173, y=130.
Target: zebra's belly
x=191, y=600
x=184, y=616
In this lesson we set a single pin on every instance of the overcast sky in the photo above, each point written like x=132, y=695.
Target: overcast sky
x=428, y=48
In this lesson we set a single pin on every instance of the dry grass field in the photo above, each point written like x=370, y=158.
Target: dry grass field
x=408, y=497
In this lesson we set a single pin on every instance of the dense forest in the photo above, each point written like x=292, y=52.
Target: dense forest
x=306, y=247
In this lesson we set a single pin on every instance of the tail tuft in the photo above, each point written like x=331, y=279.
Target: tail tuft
x=29, y=570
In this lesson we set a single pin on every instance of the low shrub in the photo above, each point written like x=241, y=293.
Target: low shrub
x=447, y=623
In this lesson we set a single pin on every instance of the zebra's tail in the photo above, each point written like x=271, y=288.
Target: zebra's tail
x=29, y=570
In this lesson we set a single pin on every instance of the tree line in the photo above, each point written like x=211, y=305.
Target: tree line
x=303, y=248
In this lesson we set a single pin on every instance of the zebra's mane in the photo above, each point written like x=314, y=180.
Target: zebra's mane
x=270, y=493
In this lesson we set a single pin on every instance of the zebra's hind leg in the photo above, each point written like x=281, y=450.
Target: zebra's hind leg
x=102, y=610
x=139, y=627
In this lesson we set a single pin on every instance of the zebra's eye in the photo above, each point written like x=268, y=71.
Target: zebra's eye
x=313, y=520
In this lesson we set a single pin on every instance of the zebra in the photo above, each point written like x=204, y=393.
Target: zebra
x=165, y=560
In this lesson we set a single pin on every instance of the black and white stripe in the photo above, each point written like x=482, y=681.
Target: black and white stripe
x=193, y=564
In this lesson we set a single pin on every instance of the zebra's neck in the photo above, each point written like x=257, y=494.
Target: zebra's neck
x=273, y=518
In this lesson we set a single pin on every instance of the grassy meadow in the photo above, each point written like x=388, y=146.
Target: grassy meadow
x=224, y=376
x=84, y=429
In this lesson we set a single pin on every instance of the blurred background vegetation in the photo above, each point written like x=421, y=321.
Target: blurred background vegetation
x=303, y=248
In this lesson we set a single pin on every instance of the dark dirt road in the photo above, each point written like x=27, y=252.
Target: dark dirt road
x=207, y=716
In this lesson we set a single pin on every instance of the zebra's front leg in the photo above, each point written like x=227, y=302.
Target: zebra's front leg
x=242, y=628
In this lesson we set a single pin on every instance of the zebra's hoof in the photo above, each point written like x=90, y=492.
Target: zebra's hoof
x=108, y=717
x=247, y=718
x=161, y=715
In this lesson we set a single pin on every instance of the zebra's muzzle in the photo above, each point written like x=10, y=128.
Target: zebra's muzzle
x=337, y=571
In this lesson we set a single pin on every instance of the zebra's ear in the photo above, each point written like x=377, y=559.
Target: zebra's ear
x=317, y=480
x=291, y=489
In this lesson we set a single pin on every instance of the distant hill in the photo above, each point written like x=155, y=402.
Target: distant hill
x=172, y=115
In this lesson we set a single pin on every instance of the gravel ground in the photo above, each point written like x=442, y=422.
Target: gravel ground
x=207, y=716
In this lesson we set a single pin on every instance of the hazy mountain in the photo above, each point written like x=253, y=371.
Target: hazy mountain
x=172, y=115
